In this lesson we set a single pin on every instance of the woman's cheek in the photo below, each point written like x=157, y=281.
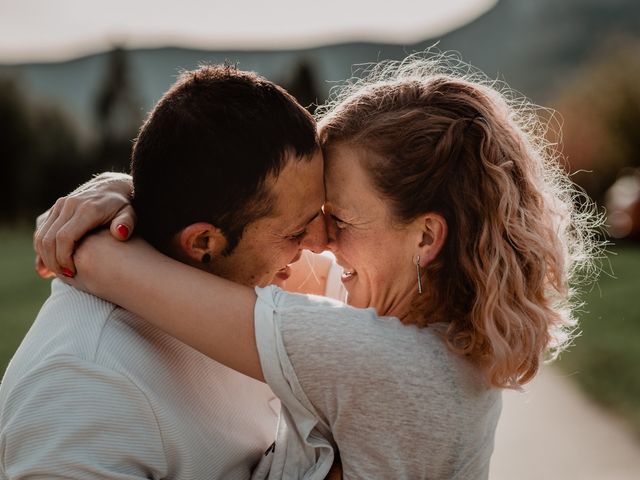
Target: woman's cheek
x=344, y=241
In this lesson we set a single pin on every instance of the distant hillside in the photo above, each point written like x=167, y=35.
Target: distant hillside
x=534, y=45
x=537, y=45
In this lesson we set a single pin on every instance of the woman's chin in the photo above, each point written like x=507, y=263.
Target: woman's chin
x=355, y=300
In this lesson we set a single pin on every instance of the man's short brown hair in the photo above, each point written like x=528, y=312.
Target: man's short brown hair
x=206, y=149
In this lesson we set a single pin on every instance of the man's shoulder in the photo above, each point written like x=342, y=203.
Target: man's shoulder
x=68, y=416
x=71, y=324
x=77, y=327
x=77, y=342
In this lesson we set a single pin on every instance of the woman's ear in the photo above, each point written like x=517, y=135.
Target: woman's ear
x=199, y=243
x=434, y=231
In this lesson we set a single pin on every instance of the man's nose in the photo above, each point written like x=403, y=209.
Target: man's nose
x=331, y=229
x=316, y=237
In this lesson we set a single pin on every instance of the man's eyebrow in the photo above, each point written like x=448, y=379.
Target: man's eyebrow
x=308, y=220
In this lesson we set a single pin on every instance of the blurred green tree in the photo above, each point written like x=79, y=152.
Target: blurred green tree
x=60, y=163
x=40, y=153
x=118, y=114
x=601, y=112
x=15, y=132
x=302, y=86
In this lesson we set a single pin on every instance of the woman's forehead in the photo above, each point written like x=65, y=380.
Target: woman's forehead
x=349, y=188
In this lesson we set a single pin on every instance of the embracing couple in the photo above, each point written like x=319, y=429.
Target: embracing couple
x=455, y=233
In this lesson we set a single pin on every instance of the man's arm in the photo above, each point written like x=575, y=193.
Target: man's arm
x=103, y=200
x=73, y=419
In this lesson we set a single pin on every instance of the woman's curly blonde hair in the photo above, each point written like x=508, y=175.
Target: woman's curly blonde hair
x=445, y=139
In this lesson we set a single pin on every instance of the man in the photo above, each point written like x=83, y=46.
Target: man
x=227, y=177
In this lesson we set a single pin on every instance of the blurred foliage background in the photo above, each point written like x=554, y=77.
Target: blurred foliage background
x=62, y=122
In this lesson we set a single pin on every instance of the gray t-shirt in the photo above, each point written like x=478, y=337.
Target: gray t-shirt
x=392, y=398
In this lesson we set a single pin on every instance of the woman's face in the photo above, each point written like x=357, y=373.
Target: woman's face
x=377, y=255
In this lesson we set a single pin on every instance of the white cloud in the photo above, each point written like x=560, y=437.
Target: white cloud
x=32, y=30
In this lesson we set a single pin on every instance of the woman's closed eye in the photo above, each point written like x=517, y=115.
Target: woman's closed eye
x=339, y=223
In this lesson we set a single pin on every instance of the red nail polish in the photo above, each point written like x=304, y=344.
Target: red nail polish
x=67, y=273
x=122, y=230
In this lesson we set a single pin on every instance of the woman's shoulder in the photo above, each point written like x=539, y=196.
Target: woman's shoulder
x=335, y=349
x=317, y=313
x=366, y=341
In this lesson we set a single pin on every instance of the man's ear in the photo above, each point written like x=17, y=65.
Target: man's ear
x=433, y=229
x=199, y=243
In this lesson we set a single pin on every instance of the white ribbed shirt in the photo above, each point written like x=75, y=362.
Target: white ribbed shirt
x=94, y=392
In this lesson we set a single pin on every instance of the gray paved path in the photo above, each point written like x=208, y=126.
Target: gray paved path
x=552, y=431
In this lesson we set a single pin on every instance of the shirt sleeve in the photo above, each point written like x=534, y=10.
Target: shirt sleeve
x=321, y=351
x=319, y=357
x=304, y=445
x=77, y=420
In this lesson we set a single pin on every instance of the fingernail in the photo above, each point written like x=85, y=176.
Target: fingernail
x=122, y=230
x=67, y=273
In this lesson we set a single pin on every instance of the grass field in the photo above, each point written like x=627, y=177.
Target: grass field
x=21, y=290
x=605, y=360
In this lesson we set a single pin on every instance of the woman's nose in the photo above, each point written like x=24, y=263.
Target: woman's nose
x=331, y=229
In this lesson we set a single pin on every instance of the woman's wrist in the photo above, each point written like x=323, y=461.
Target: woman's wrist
x=113, y=181
x=97, y=260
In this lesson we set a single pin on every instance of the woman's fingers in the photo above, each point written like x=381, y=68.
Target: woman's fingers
x=81, y=215
x=100, y=201
x=70, y=225
x=44, y=238
x=73, y=223
x=72, y=218
x=123, y=224
x=41, y=268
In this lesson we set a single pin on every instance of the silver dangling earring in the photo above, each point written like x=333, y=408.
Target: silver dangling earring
x=419, y=273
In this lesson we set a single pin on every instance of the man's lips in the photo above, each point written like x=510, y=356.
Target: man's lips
x=284, y=273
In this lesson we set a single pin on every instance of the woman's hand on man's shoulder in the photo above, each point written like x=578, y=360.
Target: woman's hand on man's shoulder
x=104, y=200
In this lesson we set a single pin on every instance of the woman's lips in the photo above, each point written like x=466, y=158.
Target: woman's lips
x=348, y=275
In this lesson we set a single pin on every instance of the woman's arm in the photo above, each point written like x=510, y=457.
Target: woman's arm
x=106, y=199
x=209, y=313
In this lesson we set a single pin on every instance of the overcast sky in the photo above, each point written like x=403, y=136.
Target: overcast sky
x=47, y=30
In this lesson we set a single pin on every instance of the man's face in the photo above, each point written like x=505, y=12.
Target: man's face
x=269, y=244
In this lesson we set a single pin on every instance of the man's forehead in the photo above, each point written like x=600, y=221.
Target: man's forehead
x=296, y=217
x=298, y=190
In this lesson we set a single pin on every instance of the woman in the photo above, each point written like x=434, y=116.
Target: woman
x=451, y=219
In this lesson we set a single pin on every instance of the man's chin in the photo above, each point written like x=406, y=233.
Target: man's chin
x=281, y=277
x=273, y=280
